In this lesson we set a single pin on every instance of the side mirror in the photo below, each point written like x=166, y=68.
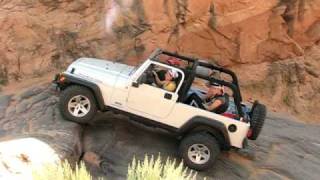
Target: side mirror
x=135, y=84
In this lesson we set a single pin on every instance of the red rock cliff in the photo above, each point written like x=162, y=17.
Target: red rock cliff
x=43, y=35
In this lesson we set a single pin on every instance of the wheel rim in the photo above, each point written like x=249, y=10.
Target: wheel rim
x=79, y=106
x=199, y=153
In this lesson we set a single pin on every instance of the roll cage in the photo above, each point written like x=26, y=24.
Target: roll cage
x=191, y=74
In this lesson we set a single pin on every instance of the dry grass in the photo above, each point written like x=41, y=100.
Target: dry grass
x=62, y=171
x=148, y=169
x=151, y=169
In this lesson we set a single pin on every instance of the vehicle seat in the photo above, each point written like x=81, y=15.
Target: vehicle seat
x=195, y=100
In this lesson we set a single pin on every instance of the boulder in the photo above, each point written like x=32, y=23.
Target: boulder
x=20, y=157
x=32, y=131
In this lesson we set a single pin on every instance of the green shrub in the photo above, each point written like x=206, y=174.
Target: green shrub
x=62, y=171
x=150, y=169
x=286, y=100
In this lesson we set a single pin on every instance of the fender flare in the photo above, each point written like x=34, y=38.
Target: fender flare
x=71, y=80
x=213, y=127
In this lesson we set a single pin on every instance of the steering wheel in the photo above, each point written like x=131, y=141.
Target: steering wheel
x=150, y=79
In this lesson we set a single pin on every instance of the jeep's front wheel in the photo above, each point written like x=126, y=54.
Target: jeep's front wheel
x=77, y=104
x=199, y=151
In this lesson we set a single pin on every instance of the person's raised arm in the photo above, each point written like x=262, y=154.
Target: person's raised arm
x=158, y=81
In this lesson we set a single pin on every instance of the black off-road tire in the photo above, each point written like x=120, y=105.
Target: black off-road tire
x=258, y=115
x=199, y=138
x=72, y=91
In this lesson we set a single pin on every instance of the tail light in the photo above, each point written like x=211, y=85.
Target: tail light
x=249, y=134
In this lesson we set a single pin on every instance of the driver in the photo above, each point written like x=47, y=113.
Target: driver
x=168, y=83
x=215, y=100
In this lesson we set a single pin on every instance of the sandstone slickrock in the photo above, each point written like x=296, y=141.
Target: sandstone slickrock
x=92, y=158
x=285, y=150
x=30, y=122
x=4, y=103
x=19, y=157
x=250, y=36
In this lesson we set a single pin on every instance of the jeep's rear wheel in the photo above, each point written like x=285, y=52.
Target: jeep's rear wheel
x=77, y=104
x=199, y=151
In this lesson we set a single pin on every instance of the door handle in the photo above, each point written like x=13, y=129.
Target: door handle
x=167, y=96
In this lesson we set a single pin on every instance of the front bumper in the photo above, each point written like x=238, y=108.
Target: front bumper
x=56, y=83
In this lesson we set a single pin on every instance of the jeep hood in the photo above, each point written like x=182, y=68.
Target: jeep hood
x=103, y=66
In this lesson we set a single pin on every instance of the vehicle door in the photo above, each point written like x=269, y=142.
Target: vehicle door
x=146, y=98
